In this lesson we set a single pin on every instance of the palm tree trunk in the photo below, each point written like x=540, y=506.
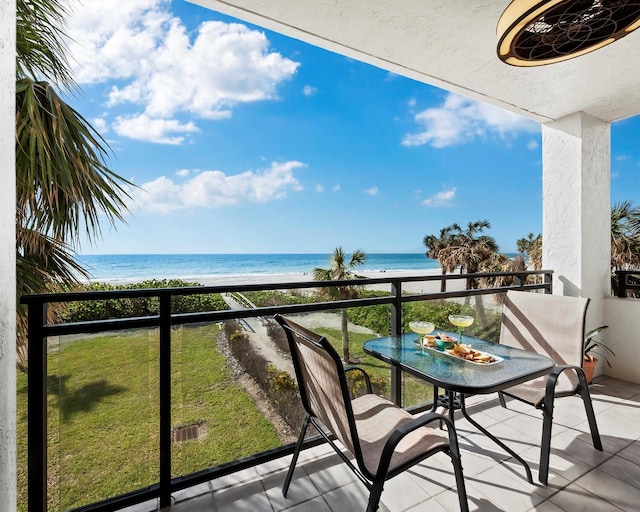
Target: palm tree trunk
x=443, y=281
x=345, y=336
x=482, y=317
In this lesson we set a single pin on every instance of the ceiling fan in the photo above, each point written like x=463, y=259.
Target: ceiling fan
x=538, y=32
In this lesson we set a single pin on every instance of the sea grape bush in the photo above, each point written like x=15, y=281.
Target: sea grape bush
x=139, y=306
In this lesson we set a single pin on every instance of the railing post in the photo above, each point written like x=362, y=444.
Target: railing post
x=548, y=283
x=621, y=290
x=165, y=400
x=37, y=409
x=396, y=330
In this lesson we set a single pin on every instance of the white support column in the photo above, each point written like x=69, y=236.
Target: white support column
x=576, y=219
x=7, y=256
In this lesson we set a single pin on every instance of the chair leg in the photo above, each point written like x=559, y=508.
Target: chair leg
x=462, y=489
x=374, y=495
x=296, y=452
x=588, y=407
x=547, y=423
x=501, y=399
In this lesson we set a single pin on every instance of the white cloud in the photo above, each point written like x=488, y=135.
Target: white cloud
x=183, y=173
x=622, y=158
x=162, y=131
x=214, y=189
x=162, y=69
x=461, y=120
x=372, y=191
x=532, y=144
x=440, y=199
x=319, y=188
x=411, y=103
x=309, y=90
x=335, y=188
x=100, y=125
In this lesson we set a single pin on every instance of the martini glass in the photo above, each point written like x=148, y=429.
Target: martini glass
x=460, y=321
x=421, y=328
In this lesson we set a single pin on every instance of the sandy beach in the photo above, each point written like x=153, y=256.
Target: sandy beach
x=411, y=287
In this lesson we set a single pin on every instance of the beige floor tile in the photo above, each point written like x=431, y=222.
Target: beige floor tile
x=631, y=453
x=576, y=499
x=623, y=470
x=611, y=489
x=300, y=490
x=248, y=496
x=353, y=496
x=315, y=505
x=204, y=503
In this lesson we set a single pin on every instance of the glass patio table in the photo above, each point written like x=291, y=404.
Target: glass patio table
x=459, y=377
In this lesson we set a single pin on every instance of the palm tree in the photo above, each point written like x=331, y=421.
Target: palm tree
x=435, y=245
x=63, y=186
x=341, y=270
x=469, y=249
x=625, y=236
x=500, y=262
x=531, y=249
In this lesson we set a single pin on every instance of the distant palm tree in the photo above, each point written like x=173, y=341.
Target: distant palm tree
x=531, y=249
x=500, y=262
x=625, y=236
x=341, y=270
x=63, y=187
x=469, y=249
x=435, y=245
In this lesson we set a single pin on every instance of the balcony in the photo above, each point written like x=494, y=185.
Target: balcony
x=581, y=478
x=171, y=476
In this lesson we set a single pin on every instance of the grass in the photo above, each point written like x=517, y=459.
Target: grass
x=103, y=414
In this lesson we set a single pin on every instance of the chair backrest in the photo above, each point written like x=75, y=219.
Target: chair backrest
x=322, y=382
x=552, y=325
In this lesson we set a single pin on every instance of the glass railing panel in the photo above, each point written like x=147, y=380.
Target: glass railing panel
x=103, y=402
x=219, y=412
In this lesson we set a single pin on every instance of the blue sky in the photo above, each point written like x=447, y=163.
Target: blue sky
x=245, y=141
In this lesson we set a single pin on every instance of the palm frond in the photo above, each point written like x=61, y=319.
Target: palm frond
x=40, y=47
x=63, y=183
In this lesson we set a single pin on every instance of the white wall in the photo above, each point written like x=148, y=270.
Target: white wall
x=576, y=209
x=7, y=257
x=623, y=337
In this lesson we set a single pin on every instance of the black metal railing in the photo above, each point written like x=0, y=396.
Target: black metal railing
x=40, y=330
x=627, y=283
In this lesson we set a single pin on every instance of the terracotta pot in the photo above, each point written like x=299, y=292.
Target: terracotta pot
x=589, y=366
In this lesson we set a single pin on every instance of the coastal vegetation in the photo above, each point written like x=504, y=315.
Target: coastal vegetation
x=64, y=189
x=341, y=270
x=89, y=310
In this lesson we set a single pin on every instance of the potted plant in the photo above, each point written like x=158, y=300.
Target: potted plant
x=590, y=360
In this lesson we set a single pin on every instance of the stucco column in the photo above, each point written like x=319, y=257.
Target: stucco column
x=576, y=219
x=7, y=256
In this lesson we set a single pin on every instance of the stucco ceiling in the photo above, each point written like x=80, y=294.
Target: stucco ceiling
x=452, y=44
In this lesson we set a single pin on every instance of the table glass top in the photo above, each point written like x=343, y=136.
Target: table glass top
x=448, y=372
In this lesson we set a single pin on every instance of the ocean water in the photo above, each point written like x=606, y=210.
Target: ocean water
x=131, y=267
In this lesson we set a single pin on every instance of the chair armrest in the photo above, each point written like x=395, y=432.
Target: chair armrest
x=408, y=427
x=552, y=379
x=367, y=379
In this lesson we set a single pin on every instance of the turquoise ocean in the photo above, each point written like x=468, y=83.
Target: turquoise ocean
x=133, y=267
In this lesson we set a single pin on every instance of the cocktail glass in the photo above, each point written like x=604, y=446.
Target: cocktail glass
x=460, y=321
x=421, y=328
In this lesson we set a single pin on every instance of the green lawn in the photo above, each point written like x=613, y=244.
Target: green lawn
x=103, y=414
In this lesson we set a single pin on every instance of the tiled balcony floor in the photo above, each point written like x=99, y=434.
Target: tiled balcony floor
x=581, y=478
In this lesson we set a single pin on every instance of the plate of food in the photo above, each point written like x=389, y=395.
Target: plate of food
x=440, y=341
x=466, y=352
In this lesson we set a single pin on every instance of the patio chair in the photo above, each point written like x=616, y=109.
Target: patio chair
x=383, y=438
x=552, y=325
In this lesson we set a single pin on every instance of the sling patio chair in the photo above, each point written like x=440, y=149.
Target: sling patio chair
x=552, y=325
x=383, y=438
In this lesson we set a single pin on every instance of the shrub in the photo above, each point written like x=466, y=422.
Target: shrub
x=83, y=311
